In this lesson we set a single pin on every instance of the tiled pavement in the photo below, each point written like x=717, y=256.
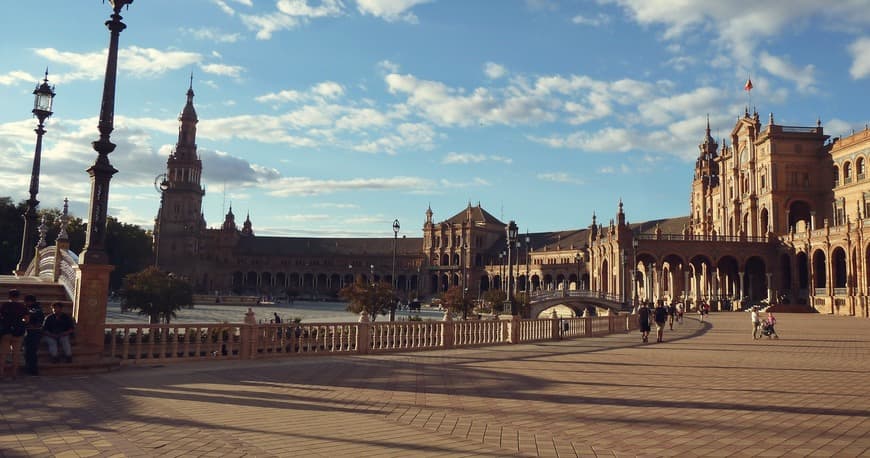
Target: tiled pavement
x=709, y=390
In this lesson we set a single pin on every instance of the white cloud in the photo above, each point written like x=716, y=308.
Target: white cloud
x=16, y=76
x=328, y=89
x=267, y=24
x=209, y=34
x=596, y=21
x=390, y=10
x=468, y=158
x=387, y=66
x=559, y=177
x=408, y=135
x=860, y=51
x=280, y=97
x=304, y=186
x=777, y=66
x=605, y=140
x=233, y=71
x=227, y=9
x=138, y=62
x=301, y=8
x=494, y=71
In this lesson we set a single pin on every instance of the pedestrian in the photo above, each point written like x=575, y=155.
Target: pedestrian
x=57, y=330
x=680, y=312
x=34, y=334
x=660, y=314
x=672, y=312
x=13, y=326
x=771, y=323
x=277, y=318
x=756, y=322
x=643, y=320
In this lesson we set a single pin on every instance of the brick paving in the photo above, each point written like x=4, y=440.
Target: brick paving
x=709, y=390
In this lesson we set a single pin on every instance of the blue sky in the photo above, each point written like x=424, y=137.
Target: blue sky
x=335, y=117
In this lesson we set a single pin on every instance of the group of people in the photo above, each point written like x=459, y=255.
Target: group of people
x=25, y=323
x=662, y=315
x=762, y=328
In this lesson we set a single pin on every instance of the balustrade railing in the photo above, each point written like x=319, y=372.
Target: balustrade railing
x=146, y=343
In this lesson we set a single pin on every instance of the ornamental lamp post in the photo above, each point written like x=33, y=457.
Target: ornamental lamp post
x=578, y=258
x=528, y=265
x=634, y=274
x=101, y=172
x=42, y=102
x=511, y=230
x=396, y=228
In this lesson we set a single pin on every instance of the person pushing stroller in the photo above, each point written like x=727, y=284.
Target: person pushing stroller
x=768, y=326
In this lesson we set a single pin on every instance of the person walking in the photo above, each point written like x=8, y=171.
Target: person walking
x=756, y=322
x=13, y=326
x=643, y=320
x=660, y=314
x=771, y=325
x=672, y=312
x=57, y=330
x=34, y=334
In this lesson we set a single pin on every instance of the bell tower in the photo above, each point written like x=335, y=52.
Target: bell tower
x=705, y=180
x=180, y=222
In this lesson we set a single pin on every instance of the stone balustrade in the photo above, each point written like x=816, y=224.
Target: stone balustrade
x=135, y=344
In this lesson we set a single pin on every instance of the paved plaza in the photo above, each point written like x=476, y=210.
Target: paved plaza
x=709, y=390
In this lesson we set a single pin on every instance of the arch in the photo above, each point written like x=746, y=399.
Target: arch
x=281, y=280
x=560, y=282
x=755, y=283
x=785, y=274
x=803, y=270
x=798, y=210
x=295, y=280
x=836, y=176
x=819, y=270
x=765, y=222
x=251, y=280
x=433, y=284
x=238, y=281
x=728, y=278
x=838, y=264
x=265, y=281
x=548, y=282
x=334, y=281
x=536, y=282
x=483, y=283
x=455, y=260
x=445, y=259
x=847, y=172
x=604, y=277
x=859, y=168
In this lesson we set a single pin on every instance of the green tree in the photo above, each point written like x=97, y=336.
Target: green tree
x=371, y=299
x=11, y=227
x=456, y=302
x=495, y=298
x=129, y=249
x=156, y=294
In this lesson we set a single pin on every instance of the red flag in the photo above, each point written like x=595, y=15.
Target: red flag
x=748, y=85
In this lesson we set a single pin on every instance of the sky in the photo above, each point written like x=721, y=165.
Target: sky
x=332, y=118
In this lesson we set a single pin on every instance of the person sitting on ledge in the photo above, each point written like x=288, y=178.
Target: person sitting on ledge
x=57, y=329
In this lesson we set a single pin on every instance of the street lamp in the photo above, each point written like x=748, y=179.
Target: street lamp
x=528, y=265
x=634, y=274
x=395, y=240
x=462, y=260
x=511, y=230
x=161, y=184
x=578, y=258
x=42, y=101
x=372, y=271
x=101, y=172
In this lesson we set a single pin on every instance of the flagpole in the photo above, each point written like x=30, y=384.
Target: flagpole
x=748, y=88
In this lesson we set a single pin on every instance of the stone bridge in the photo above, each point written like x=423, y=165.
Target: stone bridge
x=580, y=301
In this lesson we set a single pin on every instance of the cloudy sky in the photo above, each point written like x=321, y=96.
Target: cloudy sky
x=334, y=117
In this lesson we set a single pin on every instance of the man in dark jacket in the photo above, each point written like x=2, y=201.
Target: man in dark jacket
x=13, y=321
x=34, y=334
x=660, y=314
x=57, y=330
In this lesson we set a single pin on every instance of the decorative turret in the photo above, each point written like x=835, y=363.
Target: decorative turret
x=620, y=215
x=229, y=221
x=246, y=226
x=429, y=215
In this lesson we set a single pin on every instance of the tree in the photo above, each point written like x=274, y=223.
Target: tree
x=156, y=294
x=456, y=302
x=495, y=298
x=373, y=299
x=129, y=249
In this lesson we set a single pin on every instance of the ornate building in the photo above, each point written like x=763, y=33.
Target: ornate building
x=776, y=214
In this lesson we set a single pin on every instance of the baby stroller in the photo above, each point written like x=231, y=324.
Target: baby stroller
x=767, y=329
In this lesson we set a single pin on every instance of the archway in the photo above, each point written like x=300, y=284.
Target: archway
x=798, y=211
x=819, y=272
x=756, y=279
x=838, y=258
